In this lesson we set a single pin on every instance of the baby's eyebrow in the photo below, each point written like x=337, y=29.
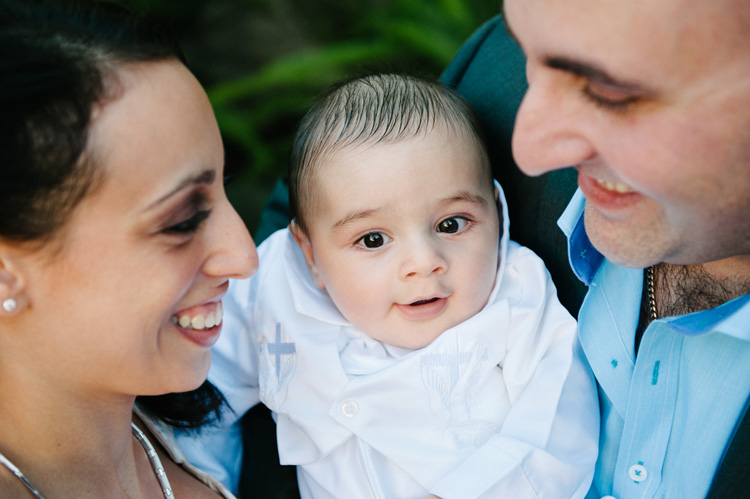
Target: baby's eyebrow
x=354, y=216
x=463, y=196
x=460, y=197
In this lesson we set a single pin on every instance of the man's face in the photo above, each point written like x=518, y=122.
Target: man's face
x=650, y=102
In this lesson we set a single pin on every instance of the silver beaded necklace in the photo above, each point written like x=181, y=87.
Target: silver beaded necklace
x=153, y=457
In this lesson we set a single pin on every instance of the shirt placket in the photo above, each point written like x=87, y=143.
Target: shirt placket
x=650, y=413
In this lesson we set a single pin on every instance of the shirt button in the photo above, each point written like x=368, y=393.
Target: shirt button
x=349, y=409
x=608, y=497
x=638, y=473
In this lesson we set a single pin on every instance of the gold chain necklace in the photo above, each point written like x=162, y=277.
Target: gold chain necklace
x=153, y=458
x=651, y=293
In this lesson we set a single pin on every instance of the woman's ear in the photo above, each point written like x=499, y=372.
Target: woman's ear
x=303, y=241
x=13, y=297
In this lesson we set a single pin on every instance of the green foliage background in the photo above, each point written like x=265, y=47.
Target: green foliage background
x=263, y=61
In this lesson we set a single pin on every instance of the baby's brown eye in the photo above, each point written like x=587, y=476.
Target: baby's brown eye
x=452, y=225
x=449, y=225
x=373, y=240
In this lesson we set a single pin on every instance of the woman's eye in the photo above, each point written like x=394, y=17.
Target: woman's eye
x=190, y=225
x=452, y=225
x=373, y=240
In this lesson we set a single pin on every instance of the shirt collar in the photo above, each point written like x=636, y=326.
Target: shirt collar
x=730, y=318
x=584, y=259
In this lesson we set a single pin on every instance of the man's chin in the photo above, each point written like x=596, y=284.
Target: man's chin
x=622, y=244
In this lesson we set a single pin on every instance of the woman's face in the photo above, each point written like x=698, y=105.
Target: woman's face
x=127, y=305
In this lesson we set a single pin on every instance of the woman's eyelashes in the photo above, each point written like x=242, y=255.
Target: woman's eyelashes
x=188, y=218
x=189, y=225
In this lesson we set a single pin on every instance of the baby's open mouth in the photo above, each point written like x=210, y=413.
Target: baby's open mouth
x=423, y=302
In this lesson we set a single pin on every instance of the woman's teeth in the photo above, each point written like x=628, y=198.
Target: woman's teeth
x=614, y=186
x=200, y=321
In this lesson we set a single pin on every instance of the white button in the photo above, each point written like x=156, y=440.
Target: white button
x=638, y=473
x=349, y=409
x=608, y=497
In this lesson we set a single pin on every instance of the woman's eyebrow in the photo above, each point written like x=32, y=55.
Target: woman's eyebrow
x=204, y=178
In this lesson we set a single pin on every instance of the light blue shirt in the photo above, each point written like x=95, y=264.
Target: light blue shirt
x=668, y=414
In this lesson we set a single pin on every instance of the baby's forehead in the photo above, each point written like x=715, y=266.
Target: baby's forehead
x=359, y=162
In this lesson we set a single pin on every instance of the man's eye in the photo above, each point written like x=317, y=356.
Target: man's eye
x=608, y=99
x=452, y=225
x=190, y=225
x=373, y=240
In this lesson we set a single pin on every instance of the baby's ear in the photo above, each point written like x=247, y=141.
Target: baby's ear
x=303, y=241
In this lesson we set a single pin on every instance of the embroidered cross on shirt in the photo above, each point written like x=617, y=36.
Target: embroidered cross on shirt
x=452, y=360
x=278, y=348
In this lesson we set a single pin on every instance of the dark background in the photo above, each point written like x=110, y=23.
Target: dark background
x=263, y=61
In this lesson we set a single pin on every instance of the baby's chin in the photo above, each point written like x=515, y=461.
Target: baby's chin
x=415, y=335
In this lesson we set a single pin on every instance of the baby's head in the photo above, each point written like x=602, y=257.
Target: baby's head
x=394, y=206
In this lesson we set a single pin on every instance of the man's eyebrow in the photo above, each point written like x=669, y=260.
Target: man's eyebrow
x=586, y=70
x=353, y=216
x=592, y=73
x=203, y=178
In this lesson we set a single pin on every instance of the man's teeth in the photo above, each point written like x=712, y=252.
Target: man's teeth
x=614, y=186
x=200, y=321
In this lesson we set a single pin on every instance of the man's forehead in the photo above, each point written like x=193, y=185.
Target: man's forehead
x=642, y=41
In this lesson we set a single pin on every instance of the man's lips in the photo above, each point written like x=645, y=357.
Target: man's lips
x=618, y=187
x=607, y=195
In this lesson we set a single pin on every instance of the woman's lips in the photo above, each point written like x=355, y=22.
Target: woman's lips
x=203, y=317
x=202, y=324
x=423, y=309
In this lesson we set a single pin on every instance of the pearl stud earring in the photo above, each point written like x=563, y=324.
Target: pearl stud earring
x=9, y=304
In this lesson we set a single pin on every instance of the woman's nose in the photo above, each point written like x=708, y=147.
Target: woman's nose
x=548, y=133
x=233, y=252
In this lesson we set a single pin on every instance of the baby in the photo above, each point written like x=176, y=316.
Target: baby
x=404, y=344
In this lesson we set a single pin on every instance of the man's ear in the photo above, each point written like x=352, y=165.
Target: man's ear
x=303, y=241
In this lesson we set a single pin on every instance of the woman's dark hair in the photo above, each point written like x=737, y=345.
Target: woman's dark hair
x=57, y=60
